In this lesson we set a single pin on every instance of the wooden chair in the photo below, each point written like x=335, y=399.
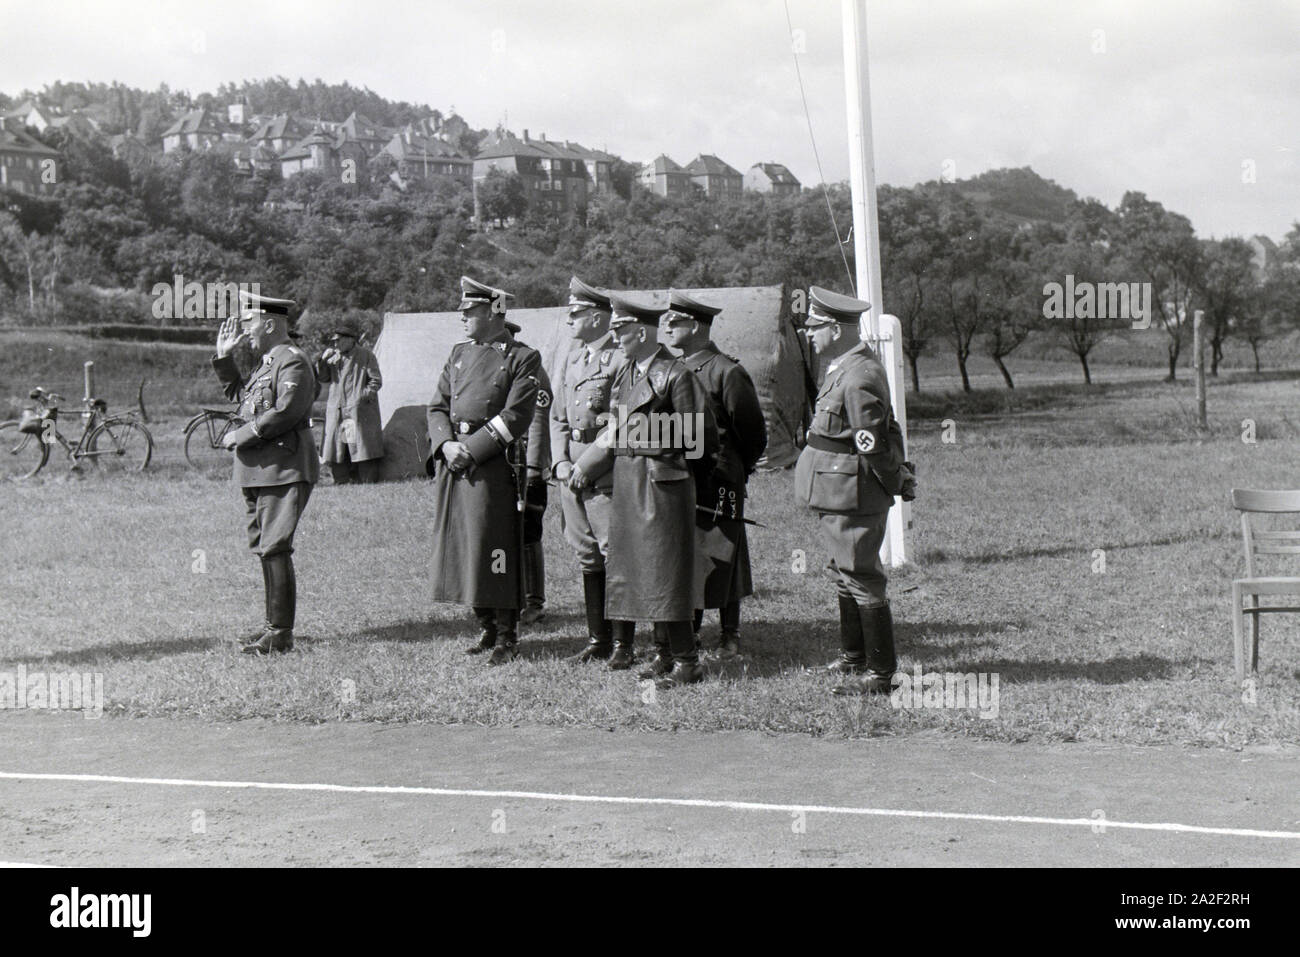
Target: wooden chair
x=1248, y=501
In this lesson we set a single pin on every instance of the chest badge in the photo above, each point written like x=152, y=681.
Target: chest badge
x=657, y=379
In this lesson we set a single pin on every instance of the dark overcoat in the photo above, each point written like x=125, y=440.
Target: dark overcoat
x=354, y=383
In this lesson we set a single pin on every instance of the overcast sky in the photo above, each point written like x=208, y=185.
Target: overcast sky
x=1181, y=100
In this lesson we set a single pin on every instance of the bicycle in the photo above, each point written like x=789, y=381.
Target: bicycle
x=112, y=443
x=203, y=434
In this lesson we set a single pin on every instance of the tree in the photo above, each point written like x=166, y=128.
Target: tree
x=1224, y=289
x=952, y=284
x=1161, y=247
x=502, y=196
x=908, y=233
x=1273, y=308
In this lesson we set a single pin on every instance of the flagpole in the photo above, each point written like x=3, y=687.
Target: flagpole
x=880, y=329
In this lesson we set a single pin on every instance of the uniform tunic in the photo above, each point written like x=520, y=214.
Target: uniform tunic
x=354, y=383
x=275, y=453
x=486, y=399
x=742, y=434
x=650, y=572
x=851, y=469
x=583, y=394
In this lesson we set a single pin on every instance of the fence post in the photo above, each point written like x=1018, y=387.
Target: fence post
x=1198, y=344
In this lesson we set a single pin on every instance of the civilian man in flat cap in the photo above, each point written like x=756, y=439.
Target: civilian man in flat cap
x=742, y=432
x=583, y=396
x=849, y=472
x=479, y=414
x=354, y=436
x=539, y=467
x=275, y=453
x=650, y=575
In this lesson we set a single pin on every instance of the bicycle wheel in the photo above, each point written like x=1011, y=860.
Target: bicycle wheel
x=119, y=445
x=21, y=454
x=203, y=449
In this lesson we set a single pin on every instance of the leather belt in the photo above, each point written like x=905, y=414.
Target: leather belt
x=584, y=435
x=817, y=441
x=466, y=427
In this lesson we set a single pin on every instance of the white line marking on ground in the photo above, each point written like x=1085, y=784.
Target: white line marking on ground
x=22, y=864
x=1098, y=824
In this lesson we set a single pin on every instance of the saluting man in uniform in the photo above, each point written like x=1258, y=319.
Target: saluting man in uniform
x=539, y=467
x=582, y=398
x=484, y=405
x=849, y=472
x=650, y=575
x=742, y=433
x=275, y=453
x=354, y=435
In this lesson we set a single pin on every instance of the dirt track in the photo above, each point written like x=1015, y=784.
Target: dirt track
x=97, y=823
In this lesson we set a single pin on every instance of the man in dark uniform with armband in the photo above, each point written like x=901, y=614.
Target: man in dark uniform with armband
x=483, y=407
x=651, y=568
x=582, y=397
x=275, y=455
x=742, y=432
x=539, y=468
x=849, y=473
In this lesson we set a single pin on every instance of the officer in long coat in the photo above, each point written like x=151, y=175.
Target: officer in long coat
x=742, y=432
x=849, y=472
x=275, y=453
x=539, y=468
x=478, y=417
x=353, y=445
x=582, y=396
x=650, y=574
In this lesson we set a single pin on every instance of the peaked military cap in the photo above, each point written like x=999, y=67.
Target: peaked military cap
x=253, y=302
x=473, y=293
x=825, y=306
x=584, y=296
x=624, y=310
x=682, y=308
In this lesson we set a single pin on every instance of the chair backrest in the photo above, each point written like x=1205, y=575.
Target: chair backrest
x=1275, y=501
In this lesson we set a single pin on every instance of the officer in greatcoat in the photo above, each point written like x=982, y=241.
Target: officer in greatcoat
x=742, y=433
x=539, y=468
x=478, y=418
x=275, y=454
x=353, y=444
x=582, y=397
x=849, y=472
x=661, y=441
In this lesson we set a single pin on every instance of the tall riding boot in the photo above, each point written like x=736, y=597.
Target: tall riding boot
x=729, y=645
x=686, y=656
x=282, y=594
x=697, y=622
x=266, y=623
x=853, y=655
x=487, y=631
x=662, y=663
x=507, y=648
x=534, y=584
x=599, y=631
x=624, y=636
x=881, y=661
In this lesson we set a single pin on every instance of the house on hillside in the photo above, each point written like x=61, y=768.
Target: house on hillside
x=663, y=176
x=1263, y=253
x=279, y=132
x=24, y=159
x=771, y=178
x=196, y=129
x=427, y=157
x=371, y=137
x=322, y=151
x=30, y=113
x=598, y=163
x=553, y=174
x=255, y=158
x=716, y=178
x=130, y=149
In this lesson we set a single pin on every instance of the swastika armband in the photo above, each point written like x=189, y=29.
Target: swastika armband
x=864, y=441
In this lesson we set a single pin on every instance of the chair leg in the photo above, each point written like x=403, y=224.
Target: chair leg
x=1255, y=625
x=1238, y=658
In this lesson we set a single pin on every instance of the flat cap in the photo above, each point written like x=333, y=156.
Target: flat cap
x=346, y=327
x=825, y=306
x=624, y=310
x=254, y=302
x=682, y=308
x=473, y=293
x=585, y=296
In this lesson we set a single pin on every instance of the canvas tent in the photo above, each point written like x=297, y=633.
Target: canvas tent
x=755, y=326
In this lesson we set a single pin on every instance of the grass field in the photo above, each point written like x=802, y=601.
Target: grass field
x=143, y=578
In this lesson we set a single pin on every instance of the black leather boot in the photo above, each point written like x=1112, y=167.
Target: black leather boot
x=697, y=621
x=729, y=640
x=534, y=584
x=507, y=647
x=686, y=657
x=853, y=655
x=253, y=636
x=624, y=636
x=487, y=631
x=599, y=632
x=282, y=598
x=881, y=661
x=662, y=663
